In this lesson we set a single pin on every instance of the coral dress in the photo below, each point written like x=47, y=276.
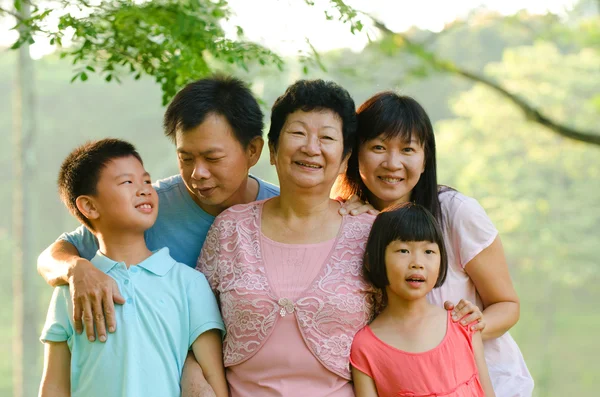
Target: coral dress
x=447, y=370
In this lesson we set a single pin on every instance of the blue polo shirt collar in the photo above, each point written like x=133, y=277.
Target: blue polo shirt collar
x=159, y=263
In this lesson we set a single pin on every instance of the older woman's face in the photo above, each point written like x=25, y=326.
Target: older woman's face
x=390, y=169
x=309, y=150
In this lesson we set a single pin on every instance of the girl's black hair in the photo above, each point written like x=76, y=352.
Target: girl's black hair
x=390, y=115
x=404, y=222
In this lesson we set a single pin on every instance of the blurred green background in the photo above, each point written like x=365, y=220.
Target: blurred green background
x=541, y=190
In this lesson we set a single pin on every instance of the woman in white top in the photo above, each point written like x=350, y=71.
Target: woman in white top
x=394, y=161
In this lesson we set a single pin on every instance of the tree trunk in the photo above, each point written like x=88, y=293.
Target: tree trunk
x=26, y=348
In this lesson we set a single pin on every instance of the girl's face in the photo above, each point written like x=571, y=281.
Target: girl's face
x=390, y=169
x=412, y=268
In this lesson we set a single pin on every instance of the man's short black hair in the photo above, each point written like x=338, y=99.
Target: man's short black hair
x=404, y=222
x=318, y=95
x=80, y=171
x=221, y=95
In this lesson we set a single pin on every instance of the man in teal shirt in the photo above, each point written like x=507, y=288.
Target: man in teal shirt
x=216, y=125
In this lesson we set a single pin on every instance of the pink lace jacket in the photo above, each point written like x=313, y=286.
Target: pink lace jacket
x=337, y=304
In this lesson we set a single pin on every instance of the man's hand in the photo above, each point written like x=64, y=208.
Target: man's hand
x=467, y=313
x=94, y=296
x=354, y=206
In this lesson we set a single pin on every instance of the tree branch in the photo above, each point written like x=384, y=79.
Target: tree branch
x=531, y=113
x=11, y=13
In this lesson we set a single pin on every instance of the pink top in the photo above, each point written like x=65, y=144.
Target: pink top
x=336, y=304
x=447, y=370
x=468, y=231
x=285, y=366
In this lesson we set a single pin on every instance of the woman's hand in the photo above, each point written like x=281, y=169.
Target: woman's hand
x=354, y=206
x=467, y=313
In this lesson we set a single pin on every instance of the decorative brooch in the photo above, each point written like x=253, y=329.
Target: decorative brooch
x=287, y=307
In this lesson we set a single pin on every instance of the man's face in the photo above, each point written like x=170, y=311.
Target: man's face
x=214, y=165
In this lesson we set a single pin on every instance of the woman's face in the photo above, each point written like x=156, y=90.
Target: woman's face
x=390, y=169
x=309, y=150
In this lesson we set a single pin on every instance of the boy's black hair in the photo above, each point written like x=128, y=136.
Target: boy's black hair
x=404, y=222
x=80, y=171
x=317, y=95
x=390, y=115
x=219, y=95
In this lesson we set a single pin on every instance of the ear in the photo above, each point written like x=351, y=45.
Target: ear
x=344, y=165
x=87, y=206
x=272, y=154
x=254, y=150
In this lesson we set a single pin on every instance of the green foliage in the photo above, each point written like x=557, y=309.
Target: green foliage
x=539, y=190
x=175, y=42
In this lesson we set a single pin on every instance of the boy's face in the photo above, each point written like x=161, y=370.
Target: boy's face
x=214, y=164
x=125, y=198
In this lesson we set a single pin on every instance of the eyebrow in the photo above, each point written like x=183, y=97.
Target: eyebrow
x=129, y=175
x=304, y=124
x=204, y=153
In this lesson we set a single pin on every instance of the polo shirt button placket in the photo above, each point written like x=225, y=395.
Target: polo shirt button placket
x=129, y=283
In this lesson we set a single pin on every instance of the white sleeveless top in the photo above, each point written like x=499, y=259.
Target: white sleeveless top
x=468, y=231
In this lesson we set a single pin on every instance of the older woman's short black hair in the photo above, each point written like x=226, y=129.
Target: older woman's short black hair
x=309, y=95
x=404, y=222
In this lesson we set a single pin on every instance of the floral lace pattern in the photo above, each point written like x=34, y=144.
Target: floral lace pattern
x=335, y=306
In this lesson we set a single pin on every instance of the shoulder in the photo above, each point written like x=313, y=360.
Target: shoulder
x=163, y=186
x=228, y=223
x=457, y=207
x=239, y=212
x=62, y=292
x=265, y=189
x=362, y=350
x=362, y=339
x=358, y=226
x=452, y=200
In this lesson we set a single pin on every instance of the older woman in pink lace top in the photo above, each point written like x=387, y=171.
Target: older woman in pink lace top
x=287, y=271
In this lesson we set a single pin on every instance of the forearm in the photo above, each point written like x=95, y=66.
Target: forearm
x=57, y=261
x=208, y=351
x=216, y=380
x=52, y=390
x=499, y=318
x=193, y=383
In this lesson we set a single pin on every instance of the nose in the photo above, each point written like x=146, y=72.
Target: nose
x=417, y=263
x=312, y=146
x=393, y=161
x=200, y=171
x=145, y=190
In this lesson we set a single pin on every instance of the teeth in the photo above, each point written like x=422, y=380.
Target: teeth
x=308, y=165
x=147, y=206
x=391, y=180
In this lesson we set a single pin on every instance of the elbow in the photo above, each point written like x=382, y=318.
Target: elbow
x=517, y=312
x=41, y=259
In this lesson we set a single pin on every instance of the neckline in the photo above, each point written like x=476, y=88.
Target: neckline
x=426, y=352
x=309, y=245
x=262, y=263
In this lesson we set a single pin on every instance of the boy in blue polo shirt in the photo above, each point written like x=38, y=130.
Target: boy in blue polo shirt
x=169, y=307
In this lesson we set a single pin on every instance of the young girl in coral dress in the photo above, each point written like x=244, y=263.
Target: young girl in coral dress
x=413, y=348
